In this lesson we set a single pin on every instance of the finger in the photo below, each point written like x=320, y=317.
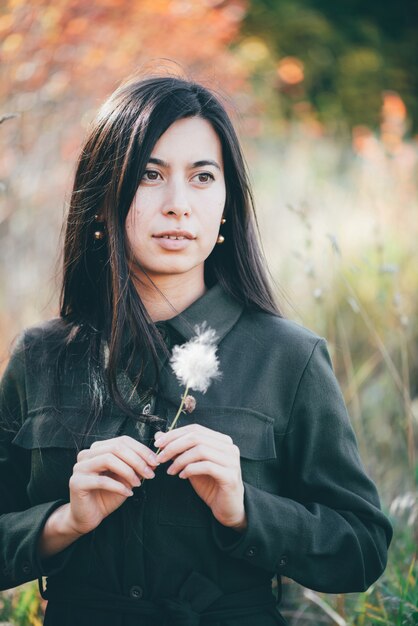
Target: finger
x=222, y=475
x=109, y=461
x=226, y=457
x=91, y=482
x=118, y=478
x=190, y=440
x=109, y=465
x=197, y=429
x=122, y=450
x=119, y=444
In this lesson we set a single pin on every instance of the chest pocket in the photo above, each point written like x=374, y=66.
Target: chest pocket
x=252, y=432
x=54, y=446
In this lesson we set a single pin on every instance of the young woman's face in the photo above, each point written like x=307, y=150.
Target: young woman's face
x=182, y=194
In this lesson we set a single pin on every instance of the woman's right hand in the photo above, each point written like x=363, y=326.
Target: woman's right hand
x=103, y=477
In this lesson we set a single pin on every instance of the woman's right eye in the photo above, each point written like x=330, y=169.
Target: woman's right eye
x=153, y=175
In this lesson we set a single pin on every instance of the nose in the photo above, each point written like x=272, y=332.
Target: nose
x=177, y=203
x=177, y=211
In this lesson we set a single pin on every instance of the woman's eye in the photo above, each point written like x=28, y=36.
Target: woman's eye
x=205, y=174
x=151, y=175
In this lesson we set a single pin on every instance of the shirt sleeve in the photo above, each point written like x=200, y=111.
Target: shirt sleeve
x=21, y=524
x=329, y=533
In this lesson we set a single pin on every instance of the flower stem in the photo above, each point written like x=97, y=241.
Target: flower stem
x=183, y=398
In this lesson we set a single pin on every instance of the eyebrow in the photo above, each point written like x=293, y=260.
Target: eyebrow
x=195, y=164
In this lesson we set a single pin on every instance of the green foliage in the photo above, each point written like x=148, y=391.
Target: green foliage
x=351, y=52
x=371, y=338
x=22, y=606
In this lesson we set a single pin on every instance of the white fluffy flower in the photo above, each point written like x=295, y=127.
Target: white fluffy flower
x=195, y=363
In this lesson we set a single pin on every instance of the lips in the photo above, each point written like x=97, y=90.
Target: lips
x=175, y=234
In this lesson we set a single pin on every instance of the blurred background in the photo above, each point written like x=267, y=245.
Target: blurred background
x=324, y=99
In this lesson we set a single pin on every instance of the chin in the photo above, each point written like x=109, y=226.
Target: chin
x=173, y=269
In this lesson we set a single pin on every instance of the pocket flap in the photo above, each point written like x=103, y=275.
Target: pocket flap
x=251, y=431
x=49, y=429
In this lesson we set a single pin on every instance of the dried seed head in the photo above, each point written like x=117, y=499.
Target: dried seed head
x=195, y=363
x=189, y=404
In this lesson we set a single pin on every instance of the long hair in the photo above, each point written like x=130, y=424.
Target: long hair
x=98, y=298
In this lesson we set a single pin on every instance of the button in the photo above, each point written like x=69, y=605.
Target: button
x=137, y=491
x=165, y=334
x=283, y=560
x=136, y=592
x=26, y=568
x=162, y=330
x=251, y=551
x=138, y=496
x=146, y=409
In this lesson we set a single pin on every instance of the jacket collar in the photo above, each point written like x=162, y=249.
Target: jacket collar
x=216, y=307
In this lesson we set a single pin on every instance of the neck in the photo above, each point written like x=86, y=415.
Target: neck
x=177, y=293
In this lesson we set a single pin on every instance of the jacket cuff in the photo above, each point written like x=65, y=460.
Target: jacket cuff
x=22, y=561
x=55, y=563
x=267, y=542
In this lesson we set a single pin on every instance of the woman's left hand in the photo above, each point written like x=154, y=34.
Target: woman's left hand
x=211, y=461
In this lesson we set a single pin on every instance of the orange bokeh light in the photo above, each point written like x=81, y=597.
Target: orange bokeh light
x=291, y=70
x=393, y=106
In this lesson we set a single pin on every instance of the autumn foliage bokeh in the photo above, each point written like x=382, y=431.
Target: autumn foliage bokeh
x=59, y=60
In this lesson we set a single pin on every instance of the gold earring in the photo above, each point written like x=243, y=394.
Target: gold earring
x=221, y=238
x=99, y=234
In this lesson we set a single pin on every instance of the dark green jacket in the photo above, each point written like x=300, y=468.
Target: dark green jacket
x=313, y=513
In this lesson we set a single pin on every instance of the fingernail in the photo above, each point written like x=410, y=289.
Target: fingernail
x=149, y=472
x=153, y=458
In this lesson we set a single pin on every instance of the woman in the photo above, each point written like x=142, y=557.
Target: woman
x=263, y=479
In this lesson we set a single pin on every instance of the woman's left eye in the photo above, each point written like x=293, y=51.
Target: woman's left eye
x=207, y=174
